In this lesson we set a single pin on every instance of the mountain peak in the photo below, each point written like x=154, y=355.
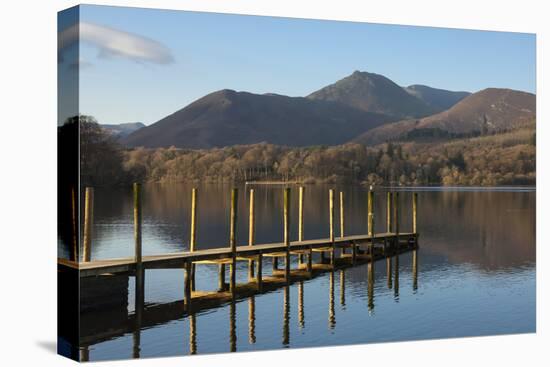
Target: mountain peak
x=373, y=93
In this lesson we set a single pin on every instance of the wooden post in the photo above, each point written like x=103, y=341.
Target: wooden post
x=370, y=197
x=233, y=241
x=259, y=280
x=388, y=212
x=331, y=221
x=371, y=223
x=286, y=223
x=251, y=231
x=187, y=286
x=221, y=277
x=301, y=221
x=353, y=253
x=193, y=239
x=88, y=224
x=342, y=223
x=137, y=223
x=396, y=218
x=414, y=208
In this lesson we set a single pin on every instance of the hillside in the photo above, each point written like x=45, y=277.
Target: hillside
x=488, y=111
x=122, y=130
x=227, y=117
x=438, y=99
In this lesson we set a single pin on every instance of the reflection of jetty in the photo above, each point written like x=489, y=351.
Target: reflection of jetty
x=343, y=251
x=101, y=326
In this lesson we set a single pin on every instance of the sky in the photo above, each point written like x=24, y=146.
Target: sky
x=134, y=64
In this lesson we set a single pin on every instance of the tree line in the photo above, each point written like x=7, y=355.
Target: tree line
x=503, y=159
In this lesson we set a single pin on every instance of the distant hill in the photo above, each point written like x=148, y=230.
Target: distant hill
x=122, y=130
x=438, y=99
x=227, y=117
x=375, y=93
x=487, y=111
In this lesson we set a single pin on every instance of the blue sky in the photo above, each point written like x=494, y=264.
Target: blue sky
x=142, y=64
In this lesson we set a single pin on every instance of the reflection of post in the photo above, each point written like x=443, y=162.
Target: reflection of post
x=396, y=277
x=286, y=316
x=331, y=220
x=193, y=239
x=233, y=242
x=84, y=354
x=232, y=328
x=370, y=286
x=331, y=313
x=396, y=218
x=252, y=320
x=251, y=231
x=88, y=224
x=192, y=334
x=415, y=269
x=139, y=298
x=342, y=288
x=389, y=272
x=74, y=226
x=286, y=237
x=301, y=318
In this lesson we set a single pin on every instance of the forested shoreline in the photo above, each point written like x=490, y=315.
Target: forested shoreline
x=502, y=159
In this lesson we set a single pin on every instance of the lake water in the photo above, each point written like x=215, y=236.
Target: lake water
x=475, y=270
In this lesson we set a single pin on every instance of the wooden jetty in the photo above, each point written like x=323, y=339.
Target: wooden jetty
x=365, y=248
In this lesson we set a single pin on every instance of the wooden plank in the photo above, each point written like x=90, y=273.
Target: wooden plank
x=178, y=259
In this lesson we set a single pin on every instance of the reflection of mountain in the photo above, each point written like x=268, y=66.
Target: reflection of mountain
x=488, y=229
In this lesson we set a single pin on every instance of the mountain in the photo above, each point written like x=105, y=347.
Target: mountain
x=489, y=110
x=374, y=93
x=438, y=99
x=122, y=130
x=227, y=117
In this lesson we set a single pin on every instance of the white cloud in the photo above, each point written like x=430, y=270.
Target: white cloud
x=112, y=42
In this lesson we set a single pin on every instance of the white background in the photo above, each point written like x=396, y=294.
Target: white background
x=28, y=181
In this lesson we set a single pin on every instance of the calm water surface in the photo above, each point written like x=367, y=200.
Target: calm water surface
x=476, y=272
